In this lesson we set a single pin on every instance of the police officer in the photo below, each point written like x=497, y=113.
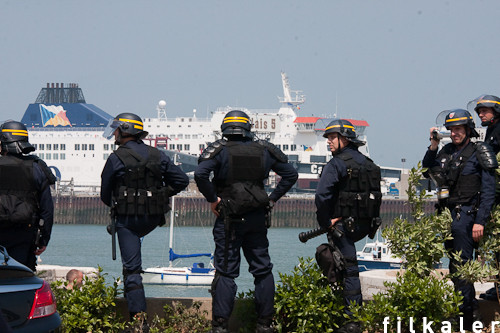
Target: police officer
x=136, y=182
x=487, y=108
x=348, y=201
x=25, y=198
x=464, y=170
x=240, y=165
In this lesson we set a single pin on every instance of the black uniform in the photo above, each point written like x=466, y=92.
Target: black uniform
x=135, y=219
x=472, y=194
x=337, y=195
x=28, y=179
x=240, y=167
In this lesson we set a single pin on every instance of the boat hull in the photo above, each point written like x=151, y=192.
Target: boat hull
x=185, y=276
x=368, y=265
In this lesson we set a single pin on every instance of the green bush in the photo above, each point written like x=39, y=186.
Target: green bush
x=412, y=296
x=91, y=308
x=179, y=319
x=304, y=301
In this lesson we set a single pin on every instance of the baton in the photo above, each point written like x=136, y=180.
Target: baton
x=307, y=235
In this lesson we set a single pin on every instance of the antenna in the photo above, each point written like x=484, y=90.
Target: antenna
x=162, y=110
x=287, y=98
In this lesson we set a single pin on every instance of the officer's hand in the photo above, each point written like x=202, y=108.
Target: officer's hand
x=335, y=220
x=477, y=232
x=40, y=250
x=213, y=207
x=434, y=142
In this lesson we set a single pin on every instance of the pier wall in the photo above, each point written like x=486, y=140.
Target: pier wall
x=195, y=211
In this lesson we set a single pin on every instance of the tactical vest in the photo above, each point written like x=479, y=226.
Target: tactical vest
x=462, y=188
x=243, y=187
x=359, y=194
x=141, y=190
x=18, y=193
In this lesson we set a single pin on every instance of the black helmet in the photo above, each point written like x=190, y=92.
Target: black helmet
x=344, y=128
x=236, y=122
x=128, y=123
x=460, y=117
x=487, y=101
x=14, y=138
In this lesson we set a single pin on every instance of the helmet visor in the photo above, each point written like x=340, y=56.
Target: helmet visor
x=110, y=128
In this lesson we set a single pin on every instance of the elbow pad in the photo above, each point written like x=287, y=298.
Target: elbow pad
x=485, y=156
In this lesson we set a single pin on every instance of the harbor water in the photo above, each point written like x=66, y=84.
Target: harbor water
x=90, y=245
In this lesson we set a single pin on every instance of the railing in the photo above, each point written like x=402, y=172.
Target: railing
x=195, y=211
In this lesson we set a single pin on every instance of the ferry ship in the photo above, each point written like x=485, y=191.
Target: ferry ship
x=67, y=134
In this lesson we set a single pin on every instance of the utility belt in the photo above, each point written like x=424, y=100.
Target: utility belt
x=351, y=223
x=131, y=201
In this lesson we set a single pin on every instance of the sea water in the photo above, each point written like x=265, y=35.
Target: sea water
x=90, y=246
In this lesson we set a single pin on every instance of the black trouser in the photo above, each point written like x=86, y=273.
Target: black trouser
x=251, y=236
x=346, y=245
x=20, y=244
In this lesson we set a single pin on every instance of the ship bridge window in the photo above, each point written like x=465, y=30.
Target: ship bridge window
x=42, y=146
x=293, y=158
x=201, y=146
x=317, y=159
x=35, y=145
x=62, y=156
x=106, y=146
x=279, y=146
x=63, y=146
x=285, y=147
x=49, y=146
x=188, y=136
x=105, y=156
x=186, y=147
x=179, y=147
x=55, y=156
x=91, y=146
x=77, y=146
x=48, y=156
x=293, y=147
x=56, y=146
x=171, y=147
x=84, y=146
x=180, y=136
x=41, y=155
x=195, y=136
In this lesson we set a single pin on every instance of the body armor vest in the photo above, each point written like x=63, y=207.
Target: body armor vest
x=243, y=188
x=18, y=193
x=141, y=191
x=463, y=188
x=359, y=193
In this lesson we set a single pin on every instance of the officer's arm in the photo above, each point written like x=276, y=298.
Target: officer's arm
x=487, y=196
x=46, y=204
x=288, y=176
x=108, y=179
x=174, y=176
x=429, y=160
x=202, y=179
x=325, y=194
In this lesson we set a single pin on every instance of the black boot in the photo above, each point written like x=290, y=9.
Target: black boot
x=261, y=328
x=219, y=325
x=350, y=327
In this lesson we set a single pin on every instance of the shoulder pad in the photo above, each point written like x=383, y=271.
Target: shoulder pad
x=485, y=156
x=275, y=151
x=212, y=150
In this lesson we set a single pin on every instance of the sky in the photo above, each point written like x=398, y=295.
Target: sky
x=395, y=64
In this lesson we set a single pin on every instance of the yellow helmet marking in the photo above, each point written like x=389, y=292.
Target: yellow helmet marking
x=131, y=121
x=457, y=119
x=235, y=120
x=487, y=101
x=16, y=132
x=334, y=126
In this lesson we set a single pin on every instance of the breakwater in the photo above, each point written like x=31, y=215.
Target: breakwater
x=195, y=211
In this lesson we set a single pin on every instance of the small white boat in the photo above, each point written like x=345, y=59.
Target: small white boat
x=377, y=255
x=196, y=275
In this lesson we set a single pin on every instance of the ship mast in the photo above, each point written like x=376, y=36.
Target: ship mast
x=289, y=103
x=161, y=109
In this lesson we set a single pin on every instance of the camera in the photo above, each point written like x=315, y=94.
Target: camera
x=436, y=135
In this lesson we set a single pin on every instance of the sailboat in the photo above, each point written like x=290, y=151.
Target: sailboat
x=196, y=275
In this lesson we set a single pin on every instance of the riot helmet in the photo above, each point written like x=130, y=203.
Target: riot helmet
x=14, y=138
x=128, y=124
x=458, y=117
x=236, y=122
x=486, y=101
x=344, y=128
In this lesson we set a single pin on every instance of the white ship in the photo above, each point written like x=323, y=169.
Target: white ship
x=67, y=133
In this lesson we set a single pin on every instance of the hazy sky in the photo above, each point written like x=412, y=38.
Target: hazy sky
x=395, y=64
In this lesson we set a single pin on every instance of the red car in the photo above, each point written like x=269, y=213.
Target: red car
x=26, y=301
